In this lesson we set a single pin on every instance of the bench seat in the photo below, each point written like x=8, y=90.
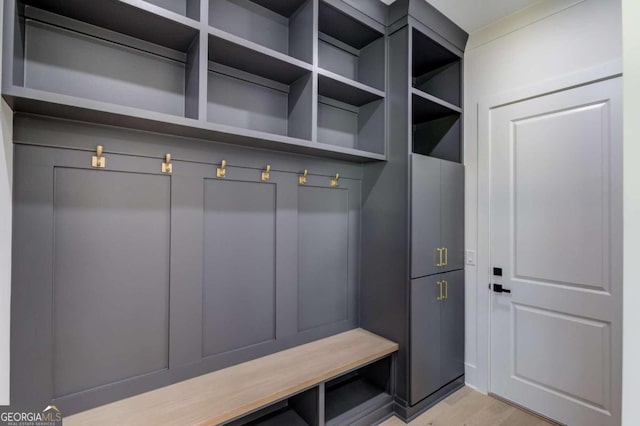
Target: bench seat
x=227, y=394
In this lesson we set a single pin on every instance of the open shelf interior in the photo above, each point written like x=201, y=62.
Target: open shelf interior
x=351, y=392
x=239, y=99
x=336, y=87
x=188, y=8
x=245, y=56
x=62, y=55
x=350, y=48
x=129, y=18
x=435, y=69
x=283, y=26
x=436, y=128
x=350, y=126
x=298, y=410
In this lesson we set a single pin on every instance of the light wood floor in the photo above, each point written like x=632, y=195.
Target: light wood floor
x=467, y=407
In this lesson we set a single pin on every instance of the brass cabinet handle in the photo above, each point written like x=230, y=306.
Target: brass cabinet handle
x=439, y=249
x=446, y=289
x=446, y=256
x=440, y=290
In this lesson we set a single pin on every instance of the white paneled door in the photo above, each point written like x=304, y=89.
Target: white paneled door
x=556, y=244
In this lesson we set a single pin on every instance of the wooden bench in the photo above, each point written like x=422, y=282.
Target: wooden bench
x=343, y=377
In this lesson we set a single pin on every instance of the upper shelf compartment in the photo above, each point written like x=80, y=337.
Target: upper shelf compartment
x=236, y=52
x=147, y=21
x=89, y=59
x=435, y=69
x=437, y=127
x=285, y=26
x=351, y=45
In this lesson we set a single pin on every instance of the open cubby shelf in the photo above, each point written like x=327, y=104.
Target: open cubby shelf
x=242, y=100
x=69, y=57
x=353, y=393
x=435, y=69
x=436, y=128
x=349, y=126
x=143, y=20
x=282, y=26
x=350, y=48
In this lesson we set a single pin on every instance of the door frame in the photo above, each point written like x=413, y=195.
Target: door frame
x=584, y=77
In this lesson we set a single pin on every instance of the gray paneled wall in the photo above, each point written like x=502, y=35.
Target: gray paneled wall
x=239, y=297
x=110, y=292
x=323, y=275
x=139, y=279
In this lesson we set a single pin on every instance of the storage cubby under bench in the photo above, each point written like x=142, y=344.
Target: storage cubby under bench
x=337, y=380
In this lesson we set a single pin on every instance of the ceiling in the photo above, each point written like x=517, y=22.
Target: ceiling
x=472, y=15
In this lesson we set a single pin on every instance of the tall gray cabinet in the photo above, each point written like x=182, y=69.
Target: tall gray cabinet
x=437, y=212
x=413, y=264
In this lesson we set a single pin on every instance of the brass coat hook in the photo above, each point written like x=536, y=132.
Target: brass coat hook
x=221, y=172
x=167, y=167
x=98, y=161
x=265, y=176
x=302, y=180
x=334, y=181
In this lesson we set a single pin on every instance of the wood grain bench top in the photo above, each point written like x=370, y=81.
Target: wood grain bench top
x=225, y=394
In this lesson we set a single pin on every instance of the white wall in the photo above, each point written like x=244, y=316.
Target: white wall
x=551, y=39
x=6, y=174
x=631, y=321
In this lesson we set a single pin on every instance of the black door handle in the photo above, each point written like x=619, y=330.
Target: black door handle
x=499, y=289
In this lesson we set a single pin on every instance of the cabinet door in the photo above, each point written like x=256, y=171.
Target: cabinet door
x=452, y=214
x=425, y=215
x=452, y=327
x=425, y=337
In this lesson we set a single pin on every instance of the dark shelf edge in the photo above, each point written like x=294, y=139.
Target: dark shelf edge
x=430, y=98
x=369, y=91
x=258, y=48
x=72, y=108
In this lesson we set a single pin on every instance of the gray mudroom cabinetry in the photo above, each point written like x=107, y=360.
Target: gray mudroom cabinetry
x=199, y=183
x=437, y=215
x=437, y=332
